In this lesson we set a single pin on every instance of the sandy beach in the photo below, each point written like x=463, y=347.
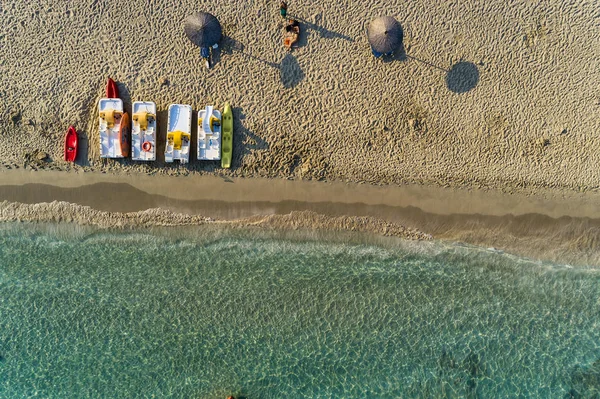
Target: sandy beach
x=489, y=94
x=490, y=112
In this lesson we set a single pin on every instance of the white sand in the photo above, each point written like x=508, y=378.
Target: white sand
x=328, y=109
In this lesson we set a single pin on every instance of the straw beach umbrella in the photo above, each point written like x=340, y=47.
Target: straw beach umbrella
x=385, y=34
x=203, y=29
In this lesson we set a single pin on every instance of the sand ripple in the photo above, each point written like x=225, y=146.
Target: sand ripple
x=328, y=110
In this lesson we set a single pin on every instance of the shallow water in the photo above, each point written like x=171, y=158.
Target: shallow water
x=139, y=314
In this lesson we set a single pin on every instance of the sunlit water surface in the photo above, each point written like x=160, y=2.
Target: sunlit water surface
x=139, y=314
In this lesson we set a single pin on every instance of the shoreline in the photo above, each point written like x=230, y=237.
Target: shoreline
x=554, y=203
x=549, y=225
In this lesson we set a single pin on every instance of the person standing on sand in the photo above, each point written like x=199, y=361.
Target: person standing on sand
x=283, y=9
x=205, y=53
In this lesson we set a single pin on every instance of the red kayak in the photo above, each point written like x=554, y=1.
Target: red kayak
x=111, y=89
x=71, y=144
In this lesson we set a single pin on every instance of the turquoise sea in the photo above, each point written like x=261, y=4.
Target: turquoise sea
x=190, y=313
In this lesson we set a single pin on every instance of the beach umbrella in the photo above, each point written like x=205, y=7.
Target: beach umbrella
x=203, y=29
x=385, y=34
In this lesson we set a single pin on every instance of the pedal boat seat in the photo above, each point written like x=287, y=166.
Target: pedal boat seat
x=109, y=116
x=143, y=118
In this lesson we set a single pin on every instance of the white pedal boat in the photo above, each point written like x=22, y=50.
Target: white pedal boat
x=114, y=127
x=179, y=133
x=209, y=134
x=143, y=131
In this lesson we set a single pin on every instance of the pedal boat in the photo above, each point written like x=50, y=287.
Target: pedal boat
x=114, y=128
x=179, y=133
x=143, y=131
x=209, y=134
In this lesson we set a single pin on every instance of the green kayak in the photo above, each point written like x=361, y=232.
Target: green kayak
x=227, y=136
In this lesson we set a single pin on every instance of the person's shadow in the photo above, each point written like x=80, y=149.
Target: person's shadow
x=306, y=26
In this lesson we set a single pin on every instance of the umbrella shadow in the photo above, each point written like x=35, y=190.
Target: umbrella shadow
x=244, y=140
x=426, y=63
x=231, y=45
x=462, y=77
x=290, y=71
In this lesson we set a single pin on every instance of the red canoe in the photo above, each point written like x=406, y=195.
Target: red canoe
x=71, y=144
x=111, y=89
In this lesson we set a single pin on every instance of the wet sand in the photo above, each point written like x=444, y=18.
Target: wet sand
x=551, y=225
x=131, y=192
